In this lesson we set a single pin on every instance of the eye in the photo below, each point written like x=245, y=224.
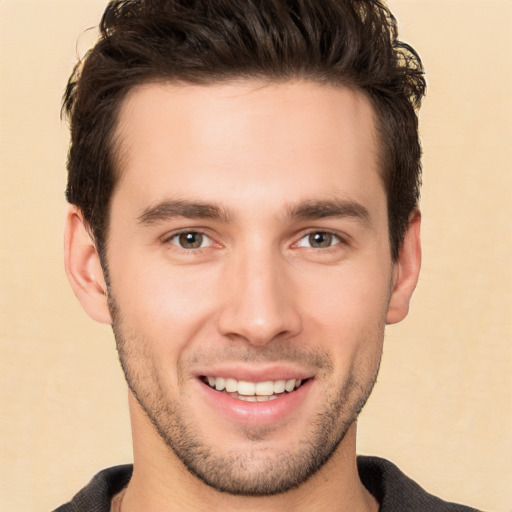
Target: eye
x=190, y=240
x=319, y=240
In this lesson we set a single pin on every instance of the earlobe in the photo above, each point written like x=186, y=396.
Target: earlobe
x=83, y=268
x=407, y=268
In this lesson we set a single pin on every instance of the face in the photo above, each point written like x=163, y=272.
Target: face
x=250, y=276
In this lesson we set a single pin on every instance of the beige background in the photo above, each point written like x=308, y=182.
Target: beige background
x=442, y=409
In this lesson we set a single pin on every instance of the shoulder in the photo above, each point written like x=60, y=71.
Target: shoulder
x=396, y=492
x=98, y=493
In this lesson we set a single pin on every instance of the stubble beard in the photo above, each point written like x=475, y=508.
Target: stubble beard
x=253, y=471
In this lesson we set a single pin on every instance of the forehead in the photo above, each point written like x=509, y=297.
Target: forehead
x=246, y=139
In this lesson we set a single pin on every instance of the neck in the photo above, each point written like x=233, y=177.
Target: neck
x=161, y=483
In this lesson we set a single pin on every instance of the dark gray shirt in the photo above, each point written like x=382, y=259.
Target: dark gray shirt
x=393, y=490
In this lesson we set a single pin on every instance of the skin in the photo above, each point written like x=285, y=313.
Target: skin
x=277, y=164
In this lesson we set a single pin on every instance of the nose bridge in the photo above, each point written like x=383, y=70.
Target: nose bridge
x=259, y=305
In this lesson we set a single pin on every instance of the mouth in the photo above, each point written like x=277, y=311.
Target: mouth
x=263, y=391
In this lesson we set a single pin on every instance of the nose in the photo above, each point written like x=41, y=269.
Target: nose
x=259, y=305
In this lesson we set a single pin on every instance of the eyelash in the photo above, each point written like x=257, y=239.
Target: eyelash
x=169, y=239
x=335, y=237
x=339, y=240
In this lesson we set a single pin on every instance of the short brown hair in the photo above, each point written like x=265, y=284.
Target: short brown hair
x=341, y=42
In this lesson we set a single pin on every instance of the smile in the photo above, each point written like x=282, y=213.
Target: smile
x=252, y=391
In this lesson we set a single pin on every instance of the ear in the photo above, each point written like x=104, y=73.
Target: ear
x=406, y=271
x=83, y=267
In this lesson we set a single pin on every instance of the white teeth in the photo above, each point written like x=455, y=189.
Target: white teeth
x=266, y=398
x=247, y=398
x=252, y=398
x=279, y=386
x=264, y=390
x=231, y=385
x=246, y=388
x=290, y=385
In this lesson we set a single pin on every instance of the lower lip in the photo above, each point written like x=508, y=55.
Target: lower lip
x=256, y=413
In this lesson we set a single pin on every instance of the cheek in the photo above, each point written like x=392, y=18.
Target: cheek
x=346, y=308
x=158, y=316
x=350, y=295
x=165, y=305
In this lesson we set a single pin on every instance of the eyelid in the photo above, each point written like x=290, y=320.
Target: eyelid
x=168, y=237
x=342, y=238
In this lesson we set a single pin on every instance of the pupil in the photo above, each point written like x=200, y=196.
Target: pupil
x=191, y=240
x=320, y=240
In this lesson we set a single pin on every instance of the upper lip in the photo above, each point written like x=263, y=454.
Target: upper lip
x=254, y=373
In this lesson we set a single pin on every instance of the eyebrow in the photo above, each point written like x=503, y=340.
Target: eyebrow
x=307, y=210
x=169, y=209
x=336, y=208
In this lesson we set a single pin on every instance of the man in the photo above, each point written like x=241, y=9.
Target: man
x=244, y=182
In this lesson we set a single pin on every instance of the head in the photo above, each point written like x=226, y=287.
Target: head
x=248, y=174
x=349, y=43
